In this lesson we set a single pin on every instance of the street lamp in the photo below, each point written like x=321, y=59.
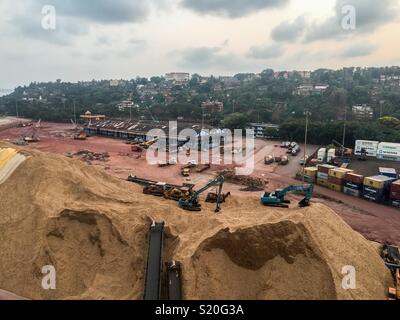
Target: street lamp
x=307, y=114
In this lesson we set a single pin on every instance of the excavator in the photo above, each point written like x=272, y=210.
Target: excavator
x=277, y=198
x=192, y=203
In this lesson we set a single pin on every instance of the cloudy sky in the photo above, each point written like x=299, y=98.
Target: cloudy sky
x=107, y=39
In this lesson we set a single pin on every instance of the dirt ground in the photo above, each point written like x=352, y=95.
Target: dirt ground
x=376, y=222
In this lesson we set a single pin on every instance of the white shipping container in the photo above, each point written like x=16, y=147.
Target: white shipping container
x=389, y=151
x=322, y=154
x=370, y=146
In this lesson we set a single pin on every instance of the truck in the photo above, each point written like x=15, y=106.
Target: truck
x=322, y=155
x=371, y=147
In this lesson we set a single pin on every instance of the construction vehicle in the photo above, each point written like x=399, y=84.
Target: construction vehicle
x=278, y=159
x=212, y=197
x=148, y=144
x=136, y=148
x=203, y=168
x=277, y=198
x=192, y=204
x=178, y=193
x=185, y=172
x=363, y=155
x=342, y=150
x=163, y=164
x=284, y=161
x=295, y=150
x=157, y=190
x=269, y=159
x=81, y=135
x=391, y=256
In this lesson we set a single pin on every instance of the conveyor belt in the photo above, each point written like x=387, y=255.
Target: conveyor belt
x=174, y=280
x=152, y=288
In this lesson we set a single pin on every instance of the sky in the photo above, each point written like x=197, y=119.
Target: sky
x=123, y=39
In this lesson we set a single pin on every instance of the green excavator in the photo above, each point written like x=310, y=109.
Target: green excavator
x=277, y=198
x=192, y=203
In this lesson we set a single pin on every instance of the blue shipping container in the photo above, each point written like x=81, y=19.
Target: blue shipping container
x=352, y=185
x=373, y=194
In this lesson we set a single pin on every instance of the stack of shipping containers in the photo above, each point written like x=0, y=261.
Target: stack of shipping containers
x=323, y=174
x=353, y=184
x=310, y=174
x=395, y=193
x=377, y=188
x=336, y=178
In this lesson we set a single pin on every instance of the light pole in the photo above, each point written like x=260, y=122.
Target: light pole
x=16, y=108
x=381, y=102
x=307, y=113
x=344, y=131
x=74, y=111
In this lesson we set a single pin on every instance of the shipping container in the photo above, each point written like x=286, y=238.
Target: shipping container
x=335, y=180
x=354, y=186
x=371, y=147
x=373, y=194
x=335, y=187
x=311, y=171
x=309, y=179
x=395, y=186
x=323, y=182
x=388, y=172
x=396, y=204
x=355, y=178
x=324, y=168
x=389, y=151
x=339, y=172
x=377, y=182
x=322, y=175
x=322, y=154
x=394, y=195
x=352, y=192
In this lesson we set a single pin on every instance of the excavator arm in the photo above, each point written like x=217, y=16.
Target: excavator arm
x=192, y=204
x=277, y=198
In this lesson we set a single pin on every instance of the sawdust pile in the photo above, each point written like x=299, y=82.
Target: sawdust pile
x=93, y=229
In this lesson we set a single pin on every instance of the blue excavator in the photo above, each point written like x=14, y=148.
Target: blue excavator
x=277, y=198
x=192, y=203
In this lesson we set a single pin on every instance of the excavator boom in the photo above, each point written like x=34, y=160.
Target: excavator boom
x=277, y=198
x=192, y=204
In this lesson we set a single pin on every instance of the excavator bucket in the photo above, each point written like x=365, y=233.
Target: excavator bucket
x=304, y=203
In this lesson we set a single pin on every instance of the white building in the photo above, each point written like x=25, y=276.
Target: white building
x=362, y=112
x=179, y=77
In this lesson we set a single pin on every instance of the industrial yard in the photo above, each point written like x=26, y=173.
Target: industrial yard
x=77, y=189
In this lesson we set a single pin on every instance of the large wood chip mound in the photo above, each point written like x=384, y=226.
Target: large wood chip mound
x=93, y=228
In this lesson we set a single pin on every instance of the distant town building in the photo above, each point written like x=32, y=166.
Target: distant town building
x=89, y=117
x=178, y=77
x=305, y=74
x=114, y=83
x=123, y=105
x=309, y=90
x=230, y=82
x=362, y=112
x=212, y=106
